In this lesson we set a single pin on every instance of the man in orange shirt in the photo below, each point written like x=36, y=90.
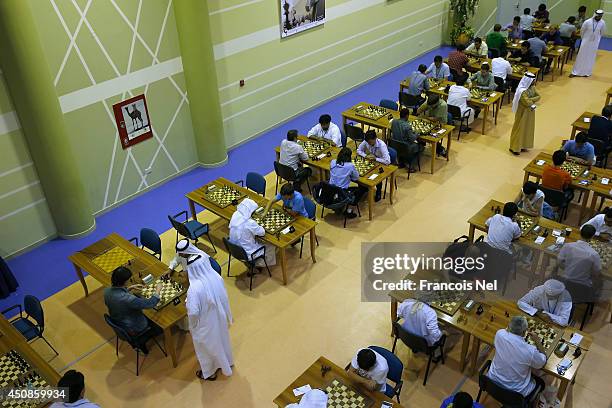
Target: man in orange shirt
x=553, y=176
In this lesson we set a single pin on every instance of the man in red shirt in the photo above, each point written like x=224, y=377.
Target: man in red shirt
x=554, y=176
x=457, y=60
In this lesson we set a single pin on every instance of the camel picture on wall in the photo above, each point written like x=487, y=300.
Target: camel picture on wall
x=132, y=117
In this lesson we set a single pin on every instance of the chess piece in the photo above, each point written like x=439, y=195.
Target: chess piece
x=491, y=319
x=577, y=352
x=507, y=314
x=479, y=310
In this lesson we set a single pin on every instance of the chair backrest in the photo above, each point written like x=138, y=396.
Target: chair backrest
x=256, y=182
x=580, y=293
x=311, y=208
x=454, y=73
x=236, y=250
x=354, y=132
x=416, y=343
x=120, y=331
x=179, y=227
x=555, y=198
x=600, y=128
x=455, y=111
x=33, y=308
x=494, y=52
x=501, y=84
x=408, y=100
x=392, y=155
x=215, y=265
x=284, y=172
x=499, y=393
x=388, y=103
x=149, y=239
x=343, y=137
x=327, y=194
x=598, y=145
x=395, y=364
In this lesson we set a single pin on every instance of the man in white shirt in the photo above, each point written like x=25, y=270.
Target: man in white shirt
x=549, y=301
x=502, y=229
x=527, y=22
x=602, y=224
x=327, y=130
x=369, y=369
x=420, y=319
x=292, y=154
x=514, y=358
x=459, y=95
x=74, y=381
x=373, y=148
x=579, y=262
x=501, y=68
x=478, y=48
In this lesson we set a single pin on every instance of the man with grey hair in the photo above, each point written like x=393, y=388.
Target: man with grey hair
x=514, y=358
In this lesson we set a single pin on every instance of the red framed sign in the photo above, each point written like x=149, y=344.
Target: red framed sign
x=133, y=123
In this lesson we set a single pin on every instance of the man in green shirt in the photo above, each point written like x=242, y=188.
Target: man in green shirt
x=497, y=40
x=483, y=78
x=435, y=109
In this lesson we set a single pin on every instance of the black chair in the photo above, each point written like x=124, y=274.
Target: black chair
x=334, y=198
x=558, y=199
x=150, y=239
x=343, y=137
x=507, y=397
x=494, y=53
x=355, y=133
x=238, y=252
x=138, y=342
x=31, y=330
x=455, y=112
x=286, y=173
x=418, y=344
x=406, y=154
x=311, y=209
x=409, y=101
x=581, y=295
x=396, y=368
x=388, y=104
x=502, y=87
x=190, y=229
x=601, y=153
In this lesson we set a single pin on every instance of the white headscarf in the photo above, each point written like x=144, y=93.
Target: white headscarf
x=553, y=287
x=314, y=398
x=204, y=282
x=525, y=83
x=243, y=213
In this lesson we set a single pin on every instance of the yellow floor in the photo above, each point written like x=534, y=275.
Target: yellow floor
x=279, y=331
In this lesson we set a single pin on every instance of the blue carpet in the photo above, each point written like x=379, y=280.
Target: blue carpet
x=46, y=270
x=606, y=44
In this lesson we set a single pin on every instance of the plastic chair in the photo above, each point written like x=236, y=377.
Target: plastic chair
x=215, y=265
x=581, y=295
x=334, y=198
x=396, y=368
x=355, y=133
x=418, y=344
x=285, y=173
x=136, y=342
x=311, y=209
x=455, y=111
x=31, y=330
x=507, y=397
x=388, y=104
x=150, y=239
x=406, y=154
x=558, y=199
x=256, y=182
x=408, y=101
x=238, y=252
x=190, y=229
x=393, y=157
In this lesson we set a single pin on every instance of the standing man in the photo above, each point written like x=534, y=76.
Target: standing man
x=457, y=60
x=523, y=106
x=581, y=17
x=438, y=69
x=496, y=40
x=327, y=130
x=292, y=154
x=592, y=30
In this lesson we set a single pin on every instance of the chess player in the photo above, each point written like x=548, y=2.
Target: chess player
x=483, y=79
x=550, y=301
x=420, y=319
x=580, y=17
x=419, y=84
x=438, y=69
x=478, y=48
x=537, y=47
x=314, y=398
x=554, y=176
x=502, y=229
x=541, y=13
x=461, y=400
x=515, y=358
x=527, y=23
x=208, y=312
x=293, y=155
x=74, y=381
x=532, y=201
x=293, y=201
x=374, y=149
x=459, y=95
x=500, y=68
x=125, y=308
x=580, y=150
x=369, y=369
x=435, y=109
x=342, y=172
x=578, y=261
x=401, y=130
x=515, y=31
x=457, y=60
x=244, y=231
x=601, y=127
x=568, y=29
x=524, y=56
x=327, y=130
x=602, y=224
x=496, y=40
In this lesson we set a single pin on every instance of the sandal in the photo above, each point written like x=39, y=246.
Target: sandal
x=201, y=377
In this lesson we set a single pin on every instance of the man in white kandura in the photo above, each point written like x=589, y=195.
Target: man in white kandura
x=208, y=311
x=314, y=398
x=420, y=319
x=244, y=230
x=592, y=30
x=549, y=301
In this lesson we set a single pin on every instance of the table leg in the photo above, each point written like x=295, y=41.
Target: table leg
x=193, y=210
x=593, y=204
x=562, y=388
x=391, y=188
x=471, y=233
x=484, y=118
x=313, y=239
x=370, y=201
x=393, y=313
x=79, y=273
x=433, y=156
x=464, y=350
x=498, y=107
x=574, y=131
x=534, y=266
x=554, y=66
x=474, y=357
x=526, y=177
x=563, y=64
x=283, y=259
x=169, y=344
x=583, y=206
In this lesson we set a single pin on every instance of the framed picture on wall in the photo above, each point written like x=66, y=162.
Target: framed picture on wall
x=299, y=15
x=133, y=123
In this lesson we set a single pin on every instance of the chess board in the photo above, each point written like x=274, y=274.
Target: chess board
x=371, y=111
x=519, y=69
x=275, y=220
x=604, y=249
x=170, y=291
x=363, y=166
x=526, y=222
x=445, y=301
x=340, y=395
x=31, y=381
x=312, y=148
x=549, y=334
x=474, y=60
x=423, y=126
x=478, y=93
x=112, y=259
x=574, y=169
x=222, y=196
x=434, y=82
x=12, y=367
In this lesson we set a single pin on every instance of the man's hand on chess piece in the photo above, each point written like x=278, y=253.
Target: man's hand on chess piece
x=158, y=288
x=537, y=341
x=543, y=316
x=137, y=286
x=371, y=157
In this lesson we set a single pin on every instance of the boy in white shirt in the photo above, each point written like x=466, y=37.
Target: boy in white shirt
x=327, y=130
x=602, y=224
x=369, y=369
